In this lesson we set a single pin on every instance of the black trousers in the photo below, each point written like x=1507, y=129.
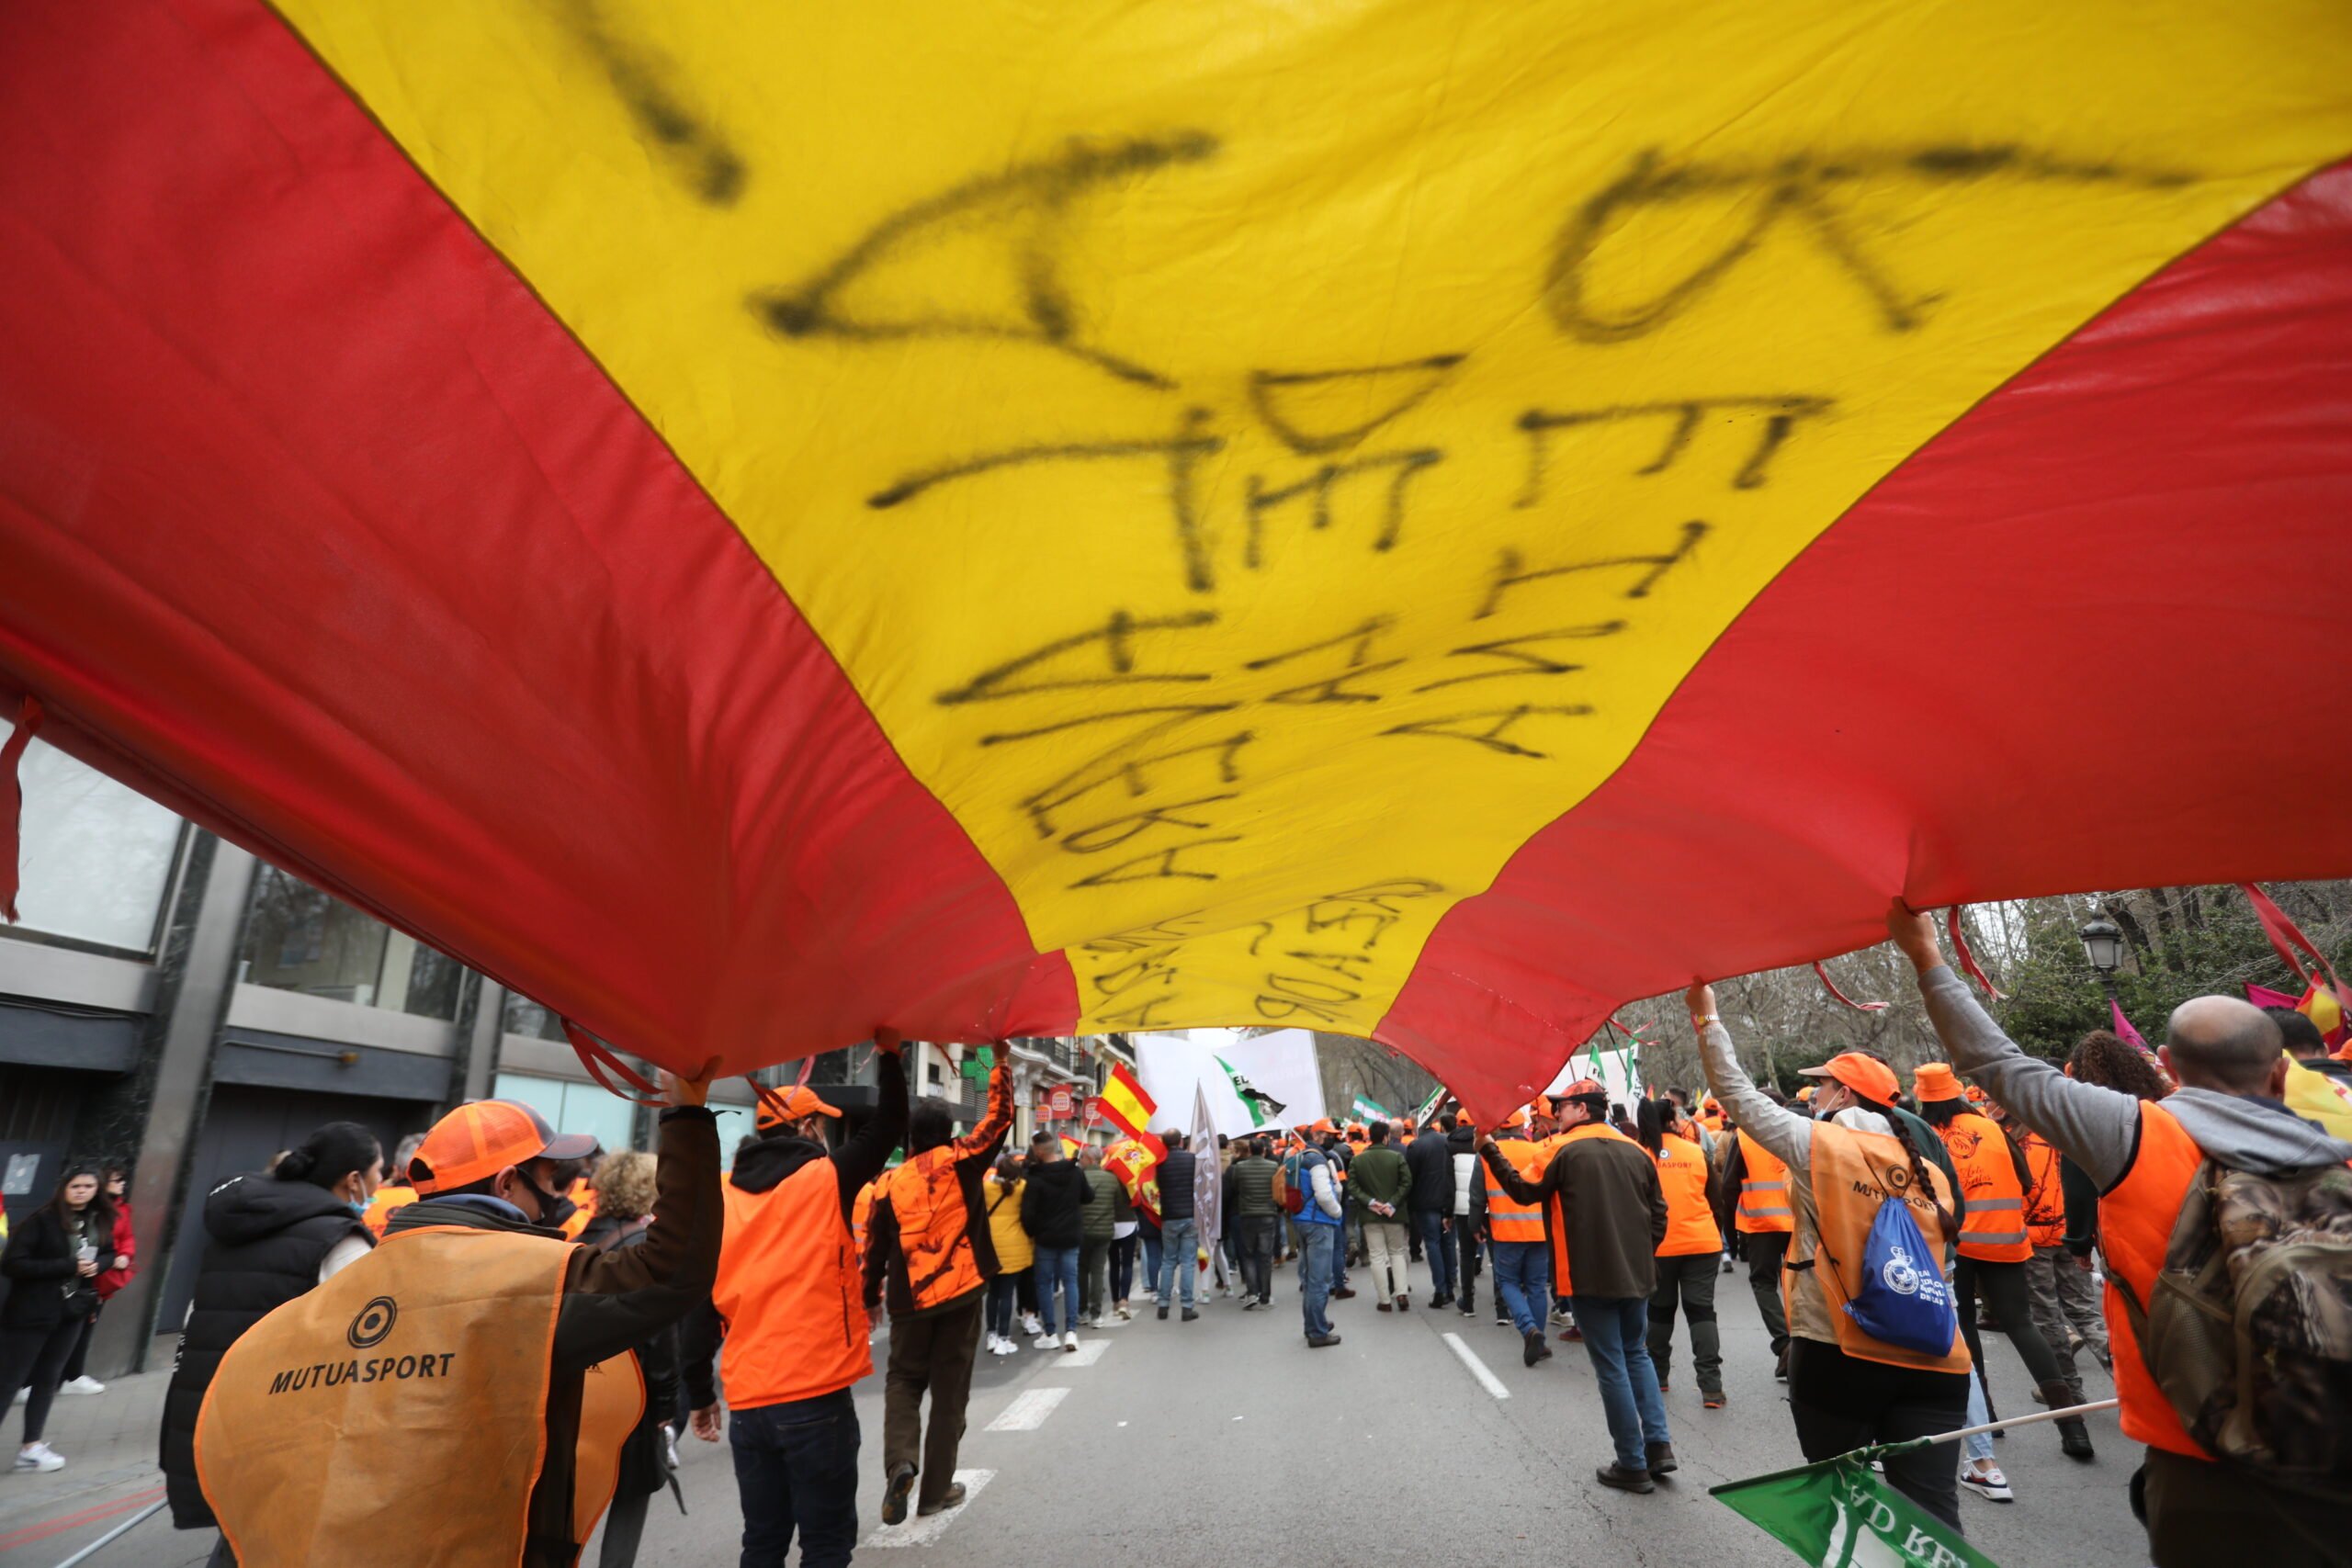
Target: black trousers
x=1688, y=1281
x=1259, y=1235
x=78, y=1362
x=1466, y=1260
x=2004, y=1285
x=1842, y=1403
x=34, y=1359
x=795, y=1472
x=1766, y=1250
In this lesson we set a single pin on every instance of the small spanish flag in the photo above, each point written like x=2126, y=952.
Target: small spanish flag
x=1124, y=1104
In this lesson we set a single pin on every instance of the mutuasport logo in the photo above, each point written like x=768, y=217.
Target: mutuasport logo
x=373, y=1323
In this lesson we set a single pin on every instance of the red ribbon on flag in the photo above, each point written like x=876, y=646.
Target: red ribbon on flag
x=2286, y=940
x=12, y=801
x=603, y=1066
x=1832, y=987
x=1967, y=958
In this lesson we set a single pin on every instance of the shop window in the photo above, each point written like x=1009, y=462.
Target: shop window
x=298, y=939
x=95, y=860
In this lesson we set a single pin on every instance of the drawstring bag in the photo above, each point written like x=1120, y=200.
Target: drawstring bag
x=1903, y=1299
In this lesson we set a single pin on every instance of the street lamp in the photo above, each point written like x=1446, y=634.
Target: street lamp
x=2103, y=945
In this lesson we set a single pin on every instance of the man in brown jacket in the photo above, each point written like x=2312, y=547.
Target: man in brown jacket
x=1607, y=1215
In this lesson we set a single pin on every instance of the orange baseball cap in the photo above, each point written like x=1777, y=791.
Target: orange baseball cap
x=482, y=1138
x=1866, y=1076
x=1583, y=1089
x=791, y=1105
x=1934, y=1081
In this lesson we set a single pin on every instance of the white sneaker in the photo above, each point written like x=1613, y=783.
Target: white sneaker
x=1123, y=1314
x=1047, y=1342
x=1070, y=1341
x=1007, y=1348
x=1029, y=1323
x=1987, y=1483
x=40, y=1456
x=84, y=1384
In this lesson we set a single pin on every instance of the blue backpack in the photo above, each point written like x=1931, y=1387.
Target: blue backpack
x=1903, y=1299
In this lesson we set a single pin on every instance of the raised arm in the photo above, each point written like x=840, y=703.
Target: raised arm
x=1783, y=1131
x=983, y=1141
x=2096, y=1128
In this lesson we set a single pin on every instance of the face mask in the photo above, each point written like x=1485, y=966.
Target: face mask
x=355, y=1207
x=553, y=1211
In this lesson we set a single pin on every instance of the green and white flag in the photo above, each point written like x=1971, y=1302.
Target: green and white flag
x=1842, y=1514
x=1429, y=1107
x=1262, y=1107
x=1370, y=1110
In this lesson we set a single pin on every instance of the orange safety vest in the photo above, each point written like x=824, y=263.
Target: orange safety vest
x=1764, y=1203
x=1508, y=1219
x=1993, y=1230
x=2045, y=1201
x=1690, y=1222
x=583, y=1198
x=2135, y=1220
x=860, y=1214
x=1562, y=1283
x=934, y=1228
x=1853, y=1174
x=433, y=1356
x=379, y=1208
x=789, y=1289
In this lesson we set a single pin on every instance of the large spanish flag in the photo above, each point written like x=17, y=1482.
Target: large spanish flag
x=1414, y=517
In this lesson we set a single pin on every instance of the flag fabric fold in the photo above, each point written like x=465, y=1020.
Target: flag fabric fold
x=1842, y=1514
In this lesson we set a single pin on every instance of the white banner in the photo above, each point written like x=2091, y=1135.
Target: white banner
x=1176, y=1066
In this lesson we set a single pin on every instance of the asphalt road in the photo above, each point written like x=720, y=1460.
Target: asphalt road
x=1227, y=1439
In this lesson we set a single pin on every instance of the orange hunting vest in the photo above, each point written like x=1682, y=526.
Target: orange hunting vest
x=2045, y=1201
x=1764, y=1203
x=788, y=1288
x=1993, y=1230
x=1690, y=1222
x=1508, y=1219
x=584, y=1198
x=1562, y=1284
x=934, y=1228
x=1853, y=1173
x=379, y=1208
x=2135, y=1221
x=432, y=1357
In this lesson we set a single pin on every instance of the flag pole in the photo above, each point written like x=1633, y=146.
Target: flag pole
x=2011, y=1421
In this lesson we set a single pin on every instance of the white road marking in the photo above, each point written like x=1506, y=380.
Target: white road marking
x=1088, y=1351
x=1486, y=1379
x=1028, y=1412
x=921, y=1529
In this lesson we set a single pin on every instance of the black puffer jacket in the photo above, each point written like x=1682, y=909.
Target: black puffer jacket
x=43, y=1271
x=267, y=1240
x=1431, y=1160
x=1053, y=1206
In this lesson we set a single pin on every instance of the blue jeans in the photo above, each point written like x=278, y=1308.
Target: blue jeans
x=1151, y=1239
x=1315, y=1252
x=1003, y=1292
x=1524, y=1281
x=1981, y=1445
x=1616, y=1335
x=1179, y=1241
x=1437, y=1246
x=1057, y=1265
x=796, y=1468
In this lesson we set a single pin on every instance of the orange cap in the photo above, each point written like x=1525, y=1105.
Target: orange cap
x=1804, y=1094
x=791, y=1105
x=484, y=1138
x=1866, y=1076
x=1323, y=1126
x=1934, y=1081
x=1583, y=1089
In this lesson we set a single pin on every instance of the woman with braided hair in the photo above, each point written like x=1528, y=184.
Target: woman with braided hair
x=1846, y=1388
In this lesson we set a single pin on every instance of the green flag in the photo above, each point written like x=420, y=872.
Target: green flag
x=1842, y=1514
x=1370, y=1110
x=1429, y=1107
x=1262, y=1107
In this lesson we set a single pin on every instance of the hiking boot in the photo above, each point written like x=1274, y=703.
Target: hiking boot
x=1574, y=1335
x=1442, y=1299
x=1164, y=1313
x=894, y=1501
x=1321, y=1341
x=1661, y=1457
x=1664, y=1386
x=1189, y=1315
x=1344, y=1294
x=1534, y=1349
x=1617, y=1476
x=951, y=1498
x=1711, y=1398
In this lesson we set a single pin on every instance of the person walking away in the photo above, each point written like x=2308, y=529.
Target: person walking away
x=624, y=1190
x=1608, y=1215
x=2053, y=1282
x=785, y=1320
x=2145, y=1156
x=529, y=1336
x=1994, y=1245
x=1178, y=1233
x=1123, y=1251
x=53, y=1263
x=1094, y=1239
x=269, y=1237
x=1319, y=1216
x=1515, y=1239
x=114, y=1181
x=1014, y=1254
x=937, y=1262
x=1686, y=1253
x=1764, y=1218
x=1469, y=1218
x=1053, y=1210
x=1257, y=1223
x=1430, y=1163
x=1380, y=1189
x=1846, y=1388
